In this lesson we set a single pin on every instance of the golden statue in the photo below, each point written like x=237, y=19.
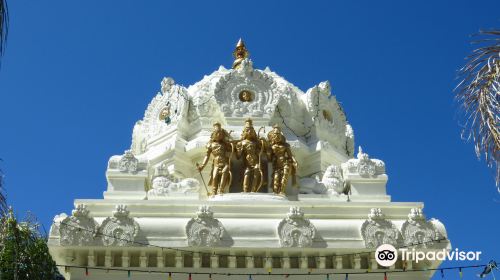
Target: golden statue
x=284, y=163
x=246, y=96
x=221, y=148
x=239, y=53
x=250, y=148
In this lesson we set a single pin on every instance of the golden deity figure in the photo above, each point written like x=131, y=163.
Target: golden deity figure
x=284, y=163
x=221, y=148
x=250, y=149
x=239, y=53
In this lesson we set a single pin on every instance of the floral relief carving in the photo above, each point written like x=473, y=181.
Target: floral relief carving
x=262, y=86
x=119, y=230
x=128, y=163
x=419, y=232
x=204, y=230
x=295, y=230
x=78, y=229
x=364, y=165
x=376, y=230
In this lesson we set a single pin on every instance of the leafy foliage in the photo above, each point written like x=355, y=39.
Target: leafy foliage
x=479, y=95
x=23, y=252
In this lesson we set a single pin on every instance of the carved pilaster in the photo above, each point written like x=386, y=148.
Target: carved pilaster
x=179, y=260
x=108, y=259
x=339, y=262
x=91, y=258
x=196, y=260
x=143, y=259
x=160, y=259
x=125, y=259
x=214, y=261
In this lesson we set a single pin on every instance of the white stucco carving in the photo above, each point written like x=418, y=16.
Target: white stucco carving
x=56, y=223
x=204, y=230
x=174, y=101
x=128, y=163
x=78, y=229
x=331, y=183
x=119, y=230
x=163, y=186
x=333, y=180
x=311, y=185
x=295, y=230
x=377, y=230
x=158, y=180
x=418, y=232
x=364, y=166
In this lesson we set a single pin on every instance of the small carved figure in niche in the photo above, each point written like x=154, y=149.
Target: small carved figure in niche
x=246, y=96
x=250, y=148
x=165, y=114
x=284, y=163
x=327, y=115
x=221, y=148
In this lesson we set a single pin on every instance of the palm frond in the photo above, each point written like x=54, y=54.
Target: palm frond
x=478, y=93
x=4, y=25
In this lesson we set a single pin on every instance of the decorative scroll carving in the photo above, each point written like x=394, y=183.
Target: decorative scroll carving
x=204, y=230
x=295, y=230
x=119, y=230
x=364, y=165
x=78, y=229
x=128, y=163
x=419, y=232
x=377, y=230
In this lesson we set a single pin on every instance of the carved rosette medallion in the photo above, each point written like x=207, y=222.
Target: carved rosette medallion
x=119, y=230
x=78, y=229
x=418, y=232
x=204, y=230
x=295, y=230
x=376, y=230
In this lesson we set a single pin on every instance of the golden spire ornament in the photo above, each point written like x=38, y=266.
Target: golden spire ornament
x=239, y=53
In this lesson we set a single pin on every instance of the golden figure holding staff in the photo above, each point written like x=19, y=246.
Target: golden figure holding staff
x=284, y=163
x=250, y=149
x=221, y=148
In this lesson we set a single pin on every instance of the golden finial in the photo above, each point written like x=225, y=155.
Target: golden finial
x=239, y=53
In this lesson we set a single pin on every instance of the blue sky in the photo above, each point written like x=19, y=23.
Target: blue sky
x=78, y=74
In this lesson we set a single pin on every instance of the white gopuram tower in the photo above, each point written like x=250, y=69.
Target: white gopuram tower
x=157, y=215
